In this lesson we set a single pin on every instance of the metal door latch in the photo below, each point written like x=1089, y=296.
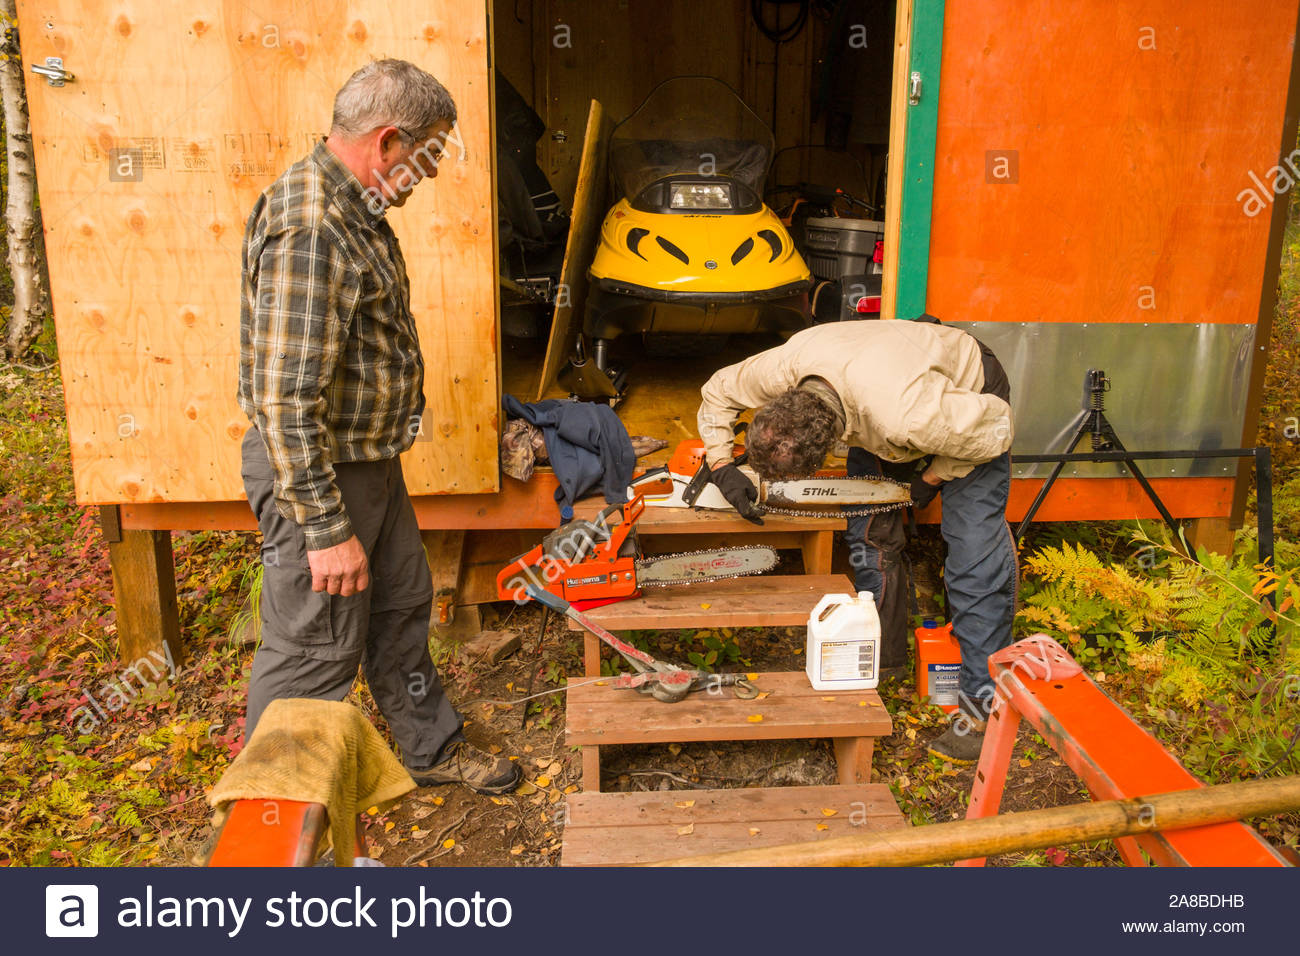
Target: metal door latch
x=914, y=97
x=53, y=71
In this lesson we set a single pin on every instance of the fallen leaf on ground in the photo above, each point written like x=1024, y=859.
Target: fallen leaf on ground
x=823, y=826
x=516, y=849
x=674, y=749
x=706, y=606
x=494, y=749
x=525, y=788
x=418, y=834
x=686, y=830
x=754, y=718
x=685, y=804
x=829, y=812
x=754, y=831
x=1026, y=763
x=543, y=781
x=448, y=843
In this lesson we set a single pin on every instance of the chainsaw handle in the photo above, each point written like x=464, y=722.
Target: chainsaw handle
x=520, y=567
x=547, y=598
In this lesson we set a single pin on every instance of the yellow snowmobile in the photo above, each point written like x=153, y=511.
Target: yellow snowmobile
x=689, y=248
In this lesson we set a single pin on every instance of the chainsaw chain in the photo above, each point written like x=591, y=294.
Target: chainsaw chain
x=844, y=510
x=711, y=578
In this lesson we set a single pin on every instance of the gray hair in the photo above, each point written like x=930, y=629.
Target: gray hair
x=790, y=436
x=391, y=93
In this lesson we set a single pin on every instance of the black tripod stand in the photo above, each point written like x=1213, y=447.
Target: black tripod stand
x=1092, y=422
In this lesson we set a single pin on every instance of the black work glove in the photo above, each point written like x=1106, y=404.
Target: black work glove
x=738, y=490
x=922, y=491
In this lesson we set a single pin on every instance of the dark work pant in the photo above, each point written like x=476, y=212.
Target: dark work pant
x=876, y=555
x=980, y=570
x=313, y=642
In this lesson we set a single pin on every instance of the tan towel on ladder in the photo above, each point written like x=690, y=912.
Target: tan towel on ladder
x=316, y=751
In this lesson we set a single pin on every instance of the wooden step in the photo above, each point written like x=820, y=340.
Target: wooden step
x=599, y=714
x=619, y=829
x=769, y=600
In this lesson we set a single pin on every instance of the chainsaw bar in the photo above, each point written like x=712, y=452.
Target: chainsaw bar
x=813, y=497
x=701, y=567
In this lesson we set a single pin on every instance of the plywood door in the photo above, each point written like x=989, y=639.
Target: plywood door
x=218, y=98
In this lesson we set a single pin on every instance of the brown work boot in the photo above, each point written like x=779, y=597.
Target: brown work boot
x=477, y=770
x=962, y=742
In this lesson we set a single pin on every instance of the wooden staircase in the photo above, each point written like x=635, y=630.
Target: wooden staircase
x=621, y=828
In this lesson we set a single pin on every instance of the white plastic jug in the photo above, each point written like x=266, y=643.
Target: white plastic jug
x=843, y=650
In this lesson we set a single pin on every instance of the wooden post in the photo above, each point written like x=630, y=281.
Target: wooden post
x=853, y=759
x=817, y=550
x=591, y=769
x=1030, y=830
x=144, y=591
x=446, y=551
x=1214, y=534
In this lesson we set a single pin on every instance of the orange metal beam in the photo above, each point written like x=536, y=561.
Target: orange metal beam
x=532, y=505
x=1114, y=756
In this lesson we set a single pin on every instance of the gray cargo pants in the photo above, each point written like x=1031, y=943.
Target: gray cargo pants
x=313, y=642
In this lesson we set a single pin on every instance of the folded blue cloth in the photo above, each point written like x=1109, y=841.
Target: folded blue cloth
x=587, y=445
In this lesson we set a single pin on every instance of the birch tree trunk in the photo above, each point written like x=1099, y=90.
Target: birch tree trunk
x=23, y=232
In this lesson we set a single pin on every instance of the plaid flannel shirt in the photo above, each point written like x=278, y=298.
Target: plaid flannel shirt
x=330, y=368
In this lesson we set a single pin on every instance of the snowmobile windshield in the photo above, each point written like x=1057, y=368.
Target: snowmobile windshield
x=691, y=126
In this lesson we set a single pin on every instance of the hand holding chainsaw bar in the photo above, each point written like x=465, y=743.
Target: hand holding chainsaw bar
x=829, y=495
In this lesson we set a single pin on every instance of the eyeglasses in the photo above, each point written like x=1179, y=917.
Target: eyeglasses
x=435, y=152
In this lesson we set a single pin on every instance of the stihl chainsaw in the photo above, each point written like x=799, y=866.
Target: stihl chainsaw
x=821, y=494
x=598, y=561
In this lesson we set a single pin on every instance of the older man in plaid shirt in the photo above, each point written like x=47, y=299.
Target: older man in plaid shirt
x=331, y=376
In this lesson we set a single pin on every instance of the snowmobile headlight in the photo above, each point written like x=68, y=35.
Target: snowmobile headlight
x=699, y=196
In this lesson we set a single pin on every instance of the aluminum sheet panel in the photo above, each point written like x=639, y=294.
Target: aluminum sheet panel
x=1173, y=386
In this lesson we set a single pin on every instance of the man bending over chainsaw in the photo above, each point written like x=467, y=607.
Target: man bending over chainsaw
x=917, y=402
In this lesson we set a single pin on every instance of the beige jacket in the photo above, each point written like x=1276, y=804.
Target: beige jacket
x=909, y=389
